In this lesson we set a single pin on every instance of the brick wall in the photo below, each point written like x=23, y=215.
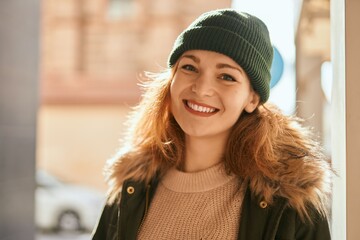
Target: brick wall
x=91, y=57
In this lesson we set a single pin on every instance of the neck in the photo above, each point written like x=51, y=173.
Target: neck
x=202, y=153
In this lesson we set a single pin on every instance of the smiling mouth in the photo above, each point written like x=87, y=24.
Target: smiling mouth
x=200, y=108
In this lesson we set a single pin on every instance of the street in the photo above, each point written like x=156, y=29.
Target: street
x=62, y=236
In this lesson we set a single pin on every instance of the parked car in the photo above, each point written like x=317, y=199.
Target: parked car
x=63, y=206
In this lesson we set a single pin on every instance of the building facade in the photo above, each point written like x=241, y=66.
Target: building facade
x=93, y=55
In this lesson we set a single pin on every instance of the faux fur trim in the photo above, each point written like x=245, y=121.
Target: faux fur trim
x=305, y=183
x=304, y=180
x=300, y=172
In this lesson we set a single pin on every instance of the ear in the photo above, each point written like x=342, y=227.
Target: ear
x=254, y=100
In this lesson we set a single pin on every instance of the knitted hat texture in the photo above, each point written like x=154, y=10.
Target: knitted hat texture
x=238, y=35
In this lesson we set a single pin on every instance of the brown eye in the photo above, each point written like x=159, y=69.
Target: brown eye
x=189, y=67
x=228, y=77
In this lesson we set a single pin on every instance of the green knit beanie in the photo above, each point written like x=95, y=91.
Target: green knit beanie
x=238, y=35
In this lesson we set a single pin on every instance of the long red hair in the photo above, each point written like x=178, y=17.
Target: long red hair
x=263, y=146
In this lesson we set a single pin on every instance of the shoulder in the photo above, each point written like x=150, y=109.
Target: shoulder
x=291, y=226
x=278, y=220
x=107, y=221
x=292, y=165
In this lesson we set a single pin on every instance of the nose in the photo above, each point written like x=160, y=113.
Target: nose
x=203, y=86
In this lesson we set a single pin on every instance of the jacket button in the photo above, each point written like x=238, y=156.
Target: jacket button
x=130, y=190
x=263, y=204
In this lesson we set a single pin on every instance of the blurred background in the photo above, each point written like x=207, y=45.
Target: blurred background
x=83, y=61
x=92, y=53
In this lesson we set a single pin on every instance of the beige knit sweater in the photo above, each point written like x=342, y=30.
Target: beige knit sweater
x=201, y=205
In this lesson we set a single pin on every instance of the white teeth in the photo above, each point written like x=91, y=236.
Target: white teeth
x=200, y=108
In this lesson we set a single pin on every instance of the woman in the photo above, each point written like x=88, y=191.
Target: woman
x=206, y=158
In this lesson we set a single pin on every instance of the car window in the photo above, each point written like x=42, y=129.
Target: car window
x=45, y=180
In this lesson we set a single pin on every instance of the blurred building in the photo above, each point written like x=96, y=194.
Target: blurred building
x=312, y=39
x=93, y=53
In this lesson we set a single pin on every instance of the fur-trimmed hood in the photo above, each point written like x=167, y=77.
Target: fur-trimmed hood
x=278, y=157
x=303, y=176
x=305, y=183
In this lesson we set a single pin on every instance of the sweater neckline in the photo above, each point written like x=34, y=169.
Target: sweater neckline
x=194, y=182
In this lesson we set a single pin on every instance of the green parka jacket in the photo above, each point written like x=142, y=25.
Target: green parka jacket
x=259, y=220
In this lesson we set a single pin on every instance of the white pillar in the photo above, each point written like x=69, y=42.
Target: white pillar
x=352, y=55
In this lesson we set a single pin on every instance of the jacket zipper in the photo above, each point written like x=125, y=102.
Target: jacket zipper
x=146, y=207
x=118, y=218
x=118, y=223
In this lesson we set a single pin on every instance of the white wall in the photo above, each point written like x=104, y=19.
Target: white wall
x=338, y=119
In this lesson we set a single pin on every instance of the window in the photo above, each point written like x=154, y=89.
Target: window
x=118, y=9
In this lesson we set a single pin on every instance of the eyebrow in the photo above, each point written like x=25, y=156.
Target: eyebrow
x=194, y=58
x=224, y=65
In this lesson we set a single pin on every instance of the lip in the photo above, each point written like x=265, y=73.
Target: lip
x=201, y=114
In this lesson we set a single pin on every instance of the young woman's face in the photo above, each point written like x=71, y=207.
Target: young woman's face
x=208, y=93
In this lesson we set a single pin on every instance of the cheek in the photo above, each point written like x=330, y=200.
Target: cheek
x=236, y=104
x=177, y=87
